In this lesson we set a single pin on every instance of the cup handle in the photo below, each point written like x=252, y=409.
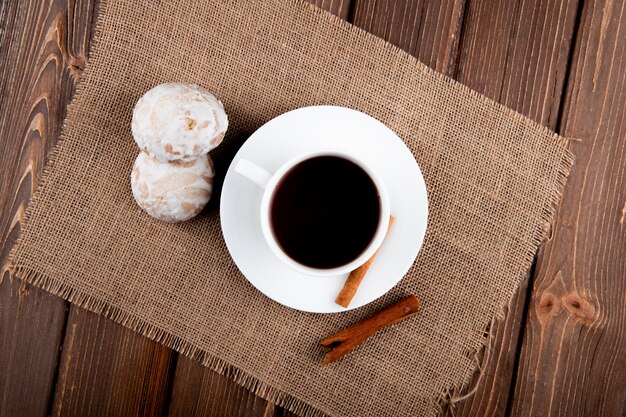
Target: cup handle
x=253, y=172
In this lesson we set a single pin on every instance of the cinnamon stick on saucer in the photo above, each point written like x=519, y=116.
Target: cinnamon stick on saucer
x=351, y=285
x=347, y=340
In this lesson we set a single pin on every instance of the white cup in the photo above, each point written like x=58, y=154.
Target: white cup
x=268, y=182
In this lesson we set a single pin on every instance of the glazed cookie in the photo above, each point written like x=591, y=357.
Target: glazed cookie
x=178, y=122
x=172, y=192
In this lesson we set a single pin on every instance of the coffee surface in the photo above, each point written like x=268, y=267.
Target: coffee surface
x=325, y=211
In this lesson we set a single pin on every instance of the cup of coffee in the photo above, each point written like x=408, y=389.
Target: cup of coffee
x=323, y=213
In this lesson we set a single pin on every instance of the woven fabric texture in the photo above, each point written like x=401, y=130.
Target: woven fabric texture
x=493, y=177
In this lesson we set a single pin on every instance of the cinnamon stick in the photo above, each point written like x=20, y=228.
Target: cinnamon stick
x=353, y=282
x=347, y=340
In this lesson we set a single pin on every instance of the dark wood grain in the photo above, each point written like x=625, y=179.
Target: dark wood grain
x=505, y=47
x=573, y=361
x=490, y=388
x=31, y=328
x=340, y=8
x=427, y=29
x=47, y=45
x=43, y=48
x=516, y=53
x=107, y=370
x=198, y=392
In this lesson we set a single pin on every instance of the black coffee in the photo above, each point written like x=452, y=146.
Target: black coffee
x=325, y=211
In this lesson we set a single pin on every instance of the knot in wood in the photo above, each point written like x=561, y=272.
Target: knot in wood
x=77, y=66
x=579, y=307
x=548, y=305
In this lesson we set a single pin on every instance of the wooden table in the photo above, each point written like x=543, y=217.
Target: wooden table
x=560, y=351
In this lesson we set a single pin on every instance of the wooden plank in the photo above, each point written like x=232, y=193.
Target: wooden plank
x=108, y=370
x=340, y=8
x=439, y=61
x=573, y=359
x=427, y=29
x=31, y=328
x=516, y=53
x=199, y=392
x=43, y=46
x=46, y=46
x=506, y=49
x=492, y=389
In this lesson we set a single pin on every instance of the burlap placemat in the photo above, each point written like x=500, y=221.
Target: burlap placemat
x=493, y=178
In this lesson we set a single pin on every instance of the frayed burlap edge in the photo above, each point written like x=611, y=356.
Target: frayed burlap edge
x=482, y=353
x=176, y=343
x=449, y=398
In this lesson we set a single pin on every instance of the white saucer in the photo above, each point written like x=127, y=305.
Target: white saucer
x=307, y=129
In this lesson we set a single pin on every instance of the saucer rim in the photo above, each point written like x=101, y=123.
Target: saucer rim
x=424, y=203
